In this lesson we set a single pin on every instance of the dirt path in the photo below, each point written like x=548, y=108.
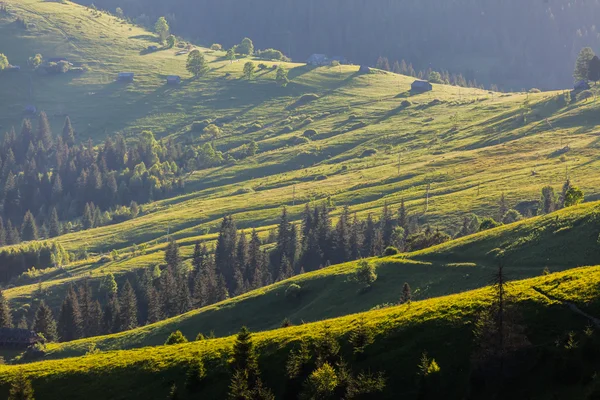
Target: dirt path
x=571, y=306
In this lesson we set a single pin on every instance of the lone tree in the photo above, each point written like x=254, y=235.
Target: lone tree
x=582, y=64
x=366, y=273
x=573, y=196
x=20, y=388
x=282, y=76
x=246, y=47
x=249, y=68
x=196, y=64
x=161, y=28
x=594, y=69
x=406, y=294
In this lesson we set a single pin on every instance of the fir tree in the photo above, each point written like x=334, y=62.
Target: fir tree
x=20, y=388
x=44, y=134
x=29, y=229
x=44, y=322
x=5, y=314
x=255, y=268
x=54, y=224
x=96, y=319
x=184, y=297
x=583, y=63
x=111, y=315
x=128, y=307
x=244, y=357
x=69, y=321
x=13, y=235
x=155, y=313
x=68, y=135
x=341, y=242
x=172, y=256
x=168, y=292
x=369, y=241
x=23, y=324
x=195, y=374
x=84, y=297
x=88, y=217
x=403, y=216
x=241, y=257
x=406, y=294
x=386, y=225
x=356, y=238
x=2, y=233
x=225, y=251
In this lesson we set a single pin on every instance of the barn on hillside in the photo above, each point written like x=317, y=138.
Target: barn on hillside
x=318, y=60
x=173, y=79
x=125, y=76
x=421, y=86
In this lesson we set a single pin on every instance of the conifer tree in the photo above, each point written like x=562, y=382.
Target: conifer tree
x=341, y=240
x=2, y=233
x=44, y=322
x=195, y=374
x=69, y=321
x=111, y=315
x=84, y=297
x=241, y=255
x=5, y=313
x=406, y=294
x=370, y=237
x=168, y=292
x=198, y=257
x=155, y=313
x=184, y=297
x=88, y=217
x=23, y=324
x=502, y=207
x=44, y=134
x=386, y=225
x=13, y=236
x=225, y=251
x=172, y=256
x=356, y=238
x=128, y=307
x=29, y=229
x=96, y=319
x=244, y=356
x=403, y=216
x=20, y=388
x=255, y=267
x=583, y=63
x=54, y=224
x=68, y=135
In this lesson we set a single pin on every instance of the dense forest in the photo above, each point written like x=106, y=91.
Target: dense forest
x=514, y=44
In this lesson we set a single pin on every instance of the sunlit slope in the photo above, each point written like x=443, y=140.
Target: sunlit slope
x=562, y=240
x=442, y=326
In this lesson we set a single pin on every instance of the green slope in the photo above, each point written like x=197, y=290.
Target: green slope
x=561, y=240
x=442, y=326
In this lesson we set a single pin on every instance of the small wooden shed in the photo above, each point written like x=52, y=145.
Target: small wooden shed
x=173, y=79
x=421, y=86
x=126, y=76
x=15, y=337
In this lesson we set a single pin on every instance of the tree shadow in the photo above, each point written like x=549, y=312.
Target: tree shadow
x=150, y=38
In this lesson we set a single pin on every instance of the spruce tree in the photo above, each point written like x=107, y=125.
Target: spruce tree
x=111, y=315
x=69, y=321
x=84, y=297
x=225, y=251
x=44, y=322
x=96, y=319
x=403, y=216
x=594, y=69
x=54, y=224
x=582, y=64
x=386, y=225
x=255, y=267
x=2, y=233
x=406, y=294
x=168, y=292
x=12, y=234
x=184, y=297
x=20, y=388
x=241, y=256
x=356, y=238
x=88, y=217
x=155, y=313
x=68, y=135
x=341, y=240
x=244, y=356
x=29, y=229
x=370, y=239
x=44, y=134
x=172, y=256
x=5, y=314
x=128, y=307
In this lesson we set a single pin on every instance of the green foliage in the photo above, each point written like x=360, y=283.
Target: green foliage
x=20, y=388
x=212, y=131
x=196, y=64
x=246, y=48
x=171, y=41
x=293, y=291
x=3, y=62
x=594, y=69
x=488, y=223
x=435, y=77
x=216, y=47
x=390, y=251
x=511, y=216
x=195, y=374
x=361, y=336
x=249, y=68
x=321, y=383
x=365, y=273
x=582, y=64
x=176, y=338
x=44, y=322
x=584, y=95
x=282, y=76
x=161, y=28
x=35, y=61
x=573, y=196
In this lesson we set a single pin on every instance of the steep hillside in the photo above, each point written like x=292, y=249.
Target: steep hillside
x=511, y=43
x=442, y=326
x=562, y=240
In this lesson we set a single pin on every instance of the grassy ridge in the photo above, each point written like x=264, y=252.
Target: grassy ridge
x=443, y=327
x=567, y=237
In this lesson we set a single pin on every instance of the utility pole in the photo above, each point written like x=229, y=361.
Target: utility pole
x=399, y=157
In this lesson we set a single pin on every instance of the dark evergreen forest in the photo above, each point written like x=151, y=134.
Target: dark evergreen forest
x=513, y=43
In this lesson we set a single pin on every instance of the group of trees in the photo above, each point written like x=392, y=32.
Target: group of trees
x=432, y=76
x=587, y=66
x=47, y=179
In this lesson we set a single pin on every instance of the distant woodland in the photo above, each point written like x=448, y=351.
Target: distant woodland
x=513, y=43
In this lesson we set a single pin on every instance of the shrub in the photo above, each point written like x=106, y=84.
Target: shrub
x=216, y=47
x=262, y=66
x=511, y=216
x=535, y=90
x=293, y=291
x=198, y=126
x=309, y=133
x=366, y=273
x=586, y=94
x=307, y=98
x=287, y=129
x=335, y=63
x=212, y=130
x=176, y=338
x=368, y=153
x=406, y=103
x=390, y=251
x=254, y=127
x=488, y=223
x=200, y=337
x=270, y=54
x=298, y=140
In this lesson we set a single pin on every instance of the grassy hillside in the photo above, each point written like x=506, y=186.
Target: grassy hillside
x=376, y=143
x=562, y=240
x=442, y=326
